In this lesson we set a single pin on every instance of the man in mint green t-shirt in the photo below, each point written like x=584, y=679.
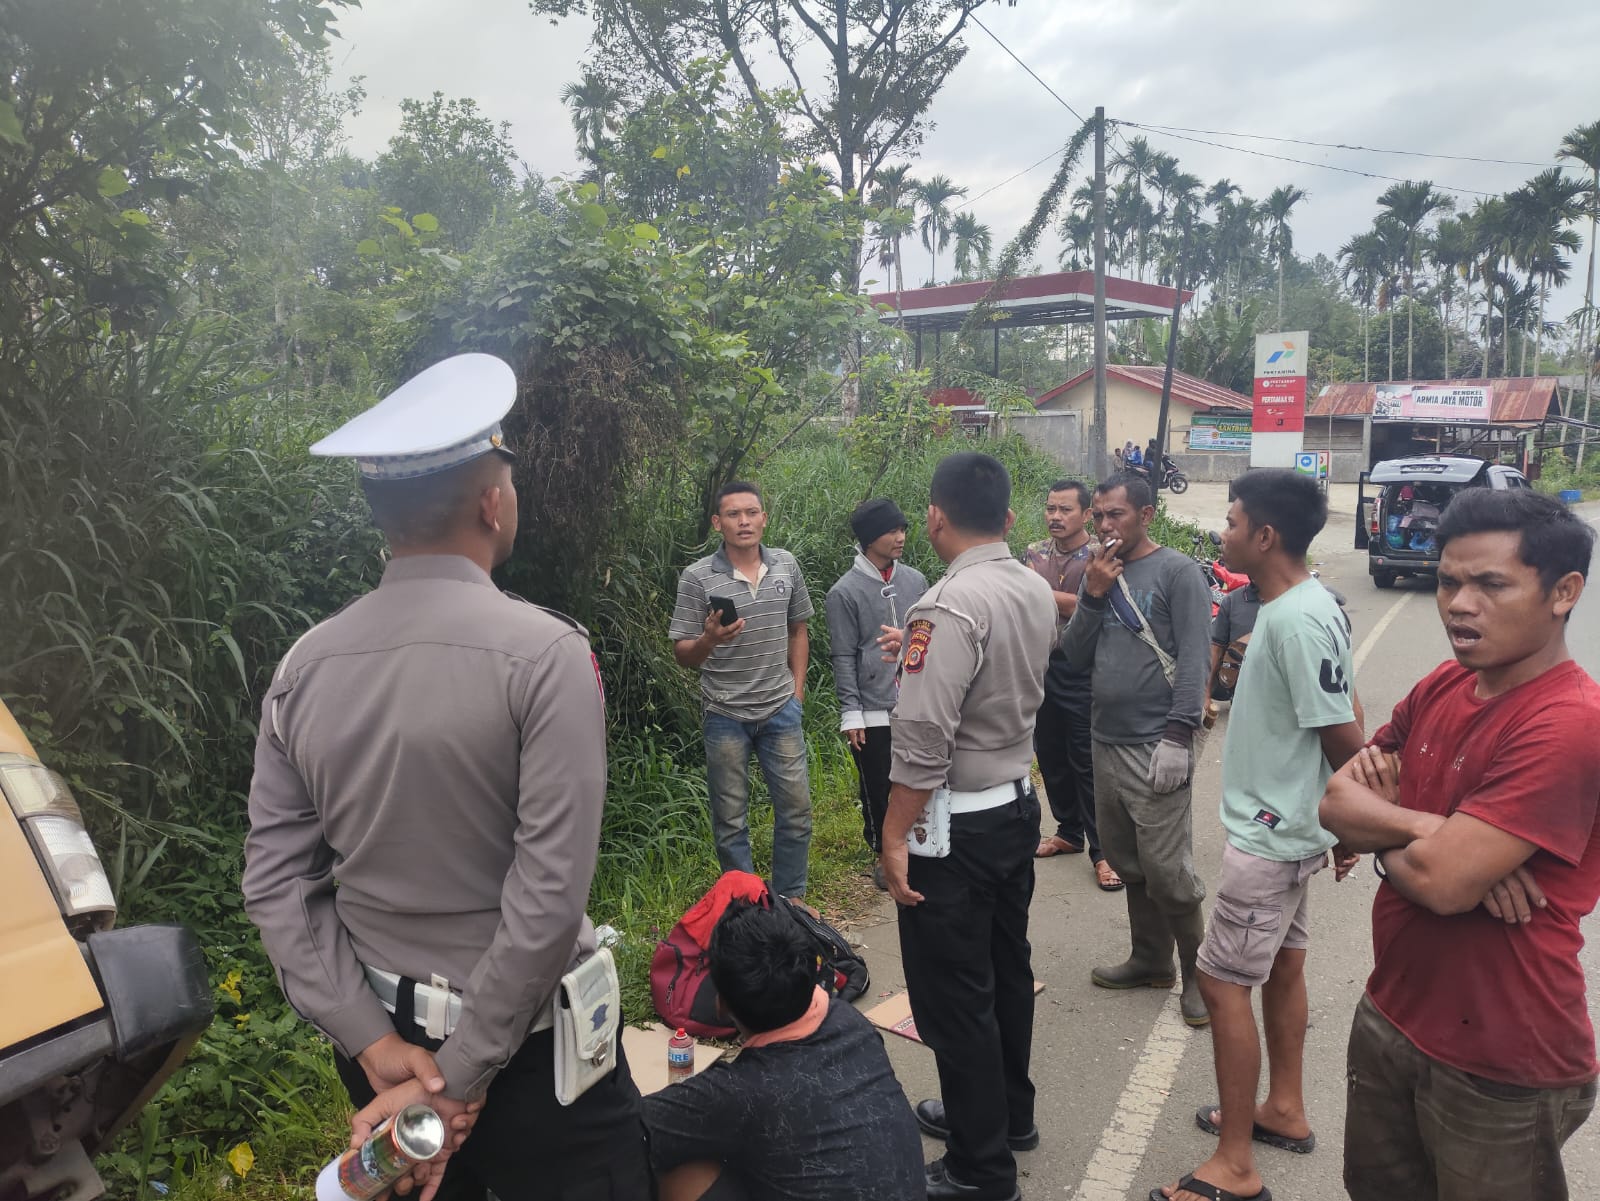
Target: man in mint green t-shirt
x=1291, y=726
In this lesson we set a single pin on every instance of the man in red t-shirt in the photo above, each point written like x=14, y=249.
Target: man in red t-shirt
x=1471, y=1058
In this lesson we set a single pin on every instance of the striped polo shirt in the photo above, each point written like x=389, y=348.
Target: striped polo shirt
x=747, y=679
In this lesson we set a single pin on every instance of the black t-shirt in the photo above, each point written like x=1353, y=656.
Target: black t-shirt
x=821, y=1118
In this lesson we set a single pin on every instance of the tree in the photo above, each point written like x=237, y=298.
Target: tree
x=1582, y=146
x=973, y=243
x=105, y=108
x=934, y=197
x=451, y=161
x=1491, y=228
x=1390, y=242
x=1450, y=252
x=1280, y=204
x=1541, y=209
x=1411, y=203
x=1362, y=262
x=892, y=196
x=593, y=102
x=885, y=61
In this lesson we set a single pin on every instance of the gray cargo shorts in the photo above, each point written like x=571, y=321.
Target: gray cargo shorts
x=1261, y=906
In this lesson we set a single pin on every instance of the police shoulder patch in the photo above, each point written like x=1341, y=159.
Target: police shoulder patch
x=919, y=634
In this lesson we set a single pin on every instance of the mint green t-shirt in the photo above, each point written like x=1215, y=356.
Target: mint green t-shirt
x=1297, y=676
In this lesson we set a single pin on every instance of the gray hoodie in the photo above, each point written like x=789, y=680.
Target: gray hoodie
x=857, y=606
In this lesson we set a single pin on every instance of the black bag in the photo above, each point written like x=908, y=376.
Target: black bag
x=840, y=971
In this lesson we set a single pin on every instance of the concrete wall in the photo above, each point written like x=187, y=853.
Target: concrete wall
x=1055, y=433
x=1212, y=466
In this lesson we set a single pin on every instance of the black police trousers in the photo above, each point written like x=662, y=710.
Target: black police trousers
x=970, y=979
x=526, y=1145
x=872, y=779
x=1066, y=761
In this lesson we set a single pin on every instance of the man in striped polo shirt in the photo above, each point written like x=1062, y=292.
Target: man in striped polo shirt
x=752, y=682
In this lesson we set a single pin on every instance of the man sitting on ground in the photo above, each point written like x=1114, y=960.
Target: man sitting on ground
x=809, y=1110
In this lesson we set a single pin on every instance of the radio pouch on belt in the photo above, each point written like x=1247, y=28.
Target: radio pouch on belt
x=929, y=835
x=588, y=1017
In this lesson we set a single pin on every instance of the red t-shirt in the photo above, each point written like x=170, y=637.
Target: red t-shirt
x=1503, y=1002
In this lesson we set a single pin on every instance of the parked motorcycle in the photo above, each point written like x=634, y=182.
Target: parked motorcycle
x=1172, y=479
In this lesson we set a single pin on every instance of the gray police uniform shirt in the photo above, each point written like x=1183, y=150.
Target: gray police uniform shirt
x=1133, y=704
x=747, y=679
x=438, y=749
x=972, y=674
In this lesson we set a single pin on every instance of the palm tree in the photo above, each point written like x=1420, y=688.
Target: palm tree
x=1449, y=250
x=593, y=102
x=1361, y=260
x=973, y=243
x=1280, y=239
x=1136, y=163
x=1411, y=203
x=1390, y=245
x=1582, y=145
x=934, y=197
x=1223, y=189
x=892, y=195
x=1490, y=227
x=1542, y=209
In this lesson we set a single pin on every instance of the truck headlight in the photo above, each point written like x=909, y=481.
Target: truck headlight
x=44, y=805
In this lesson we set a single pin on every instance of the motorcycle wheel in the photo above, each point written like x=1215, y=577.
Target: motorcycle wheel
x=1177, y=483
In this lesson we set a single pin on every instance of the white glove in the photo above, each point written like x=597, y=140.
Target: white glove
x=1169, y=766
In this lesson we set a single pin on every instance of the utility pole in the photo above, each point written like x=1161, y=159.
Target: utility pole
x=1155, y=467
x=1097, y=460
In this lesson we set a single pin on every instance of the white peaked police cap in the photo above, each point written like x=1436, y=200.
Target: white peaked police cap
x=447, y=415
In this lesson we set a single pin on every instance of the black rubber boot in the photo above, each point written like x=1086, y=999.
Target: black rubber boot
x=1150, y=964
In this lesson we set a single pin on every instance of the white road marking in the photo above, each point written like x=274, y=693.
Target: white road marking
x=1111, y=1170
x=1371, y=640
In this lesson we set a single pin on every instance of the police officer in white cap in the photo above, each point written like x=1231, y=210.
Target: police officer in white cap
x=425, y=815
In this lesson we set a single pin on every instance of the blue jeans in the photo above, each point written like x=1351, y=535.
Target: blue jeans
x=780, y=747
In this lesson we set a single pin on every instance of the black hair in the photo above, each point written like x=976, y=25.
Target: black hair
x=1072, y=486
x=733, y=488
x=973, y=490
x=1288, y=501
x=1134, y=486
x=427, y=509
x=1554, y=540
x=762, y=964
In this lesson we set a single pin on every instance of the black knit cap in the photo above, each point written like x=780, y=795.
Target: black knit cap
x=875, y=518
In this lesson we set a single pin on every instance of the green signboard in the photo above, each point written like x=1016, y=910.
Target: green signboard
x=1220, y=433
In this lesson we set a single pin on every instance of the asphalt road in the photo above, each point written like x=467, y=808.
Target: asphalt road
x=1119, y=1076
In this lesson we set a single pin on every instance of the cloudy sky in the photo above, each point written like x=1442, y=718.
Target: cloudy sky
x=1475, y=78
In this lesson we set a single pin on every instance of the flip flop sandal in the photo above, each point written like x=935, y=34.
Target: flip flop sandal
x=1204, y=1188
x=1258, y=1133
x=1055, y=845
x=1106, y=877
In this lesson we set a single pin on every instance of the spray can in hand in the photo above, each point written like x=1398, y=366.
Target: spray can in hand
x=412, y=1136
x=680, y=1056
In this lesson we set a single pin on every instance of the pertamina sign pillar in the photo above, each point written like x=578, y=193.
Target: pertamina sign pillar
x=1278, y=417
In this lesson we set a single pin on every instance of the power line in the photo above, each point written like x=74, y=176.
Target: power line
x=1012, y=179
x=1025, y=67
x=1171, y=132
x=1283, y=158
x=1260, y=137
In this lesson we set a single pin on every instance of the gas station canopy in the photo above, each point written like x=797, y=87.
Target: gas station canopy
x=1061, y=298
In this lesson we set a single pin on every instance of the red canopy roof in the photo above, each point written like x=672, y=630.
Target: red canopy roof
x=1061, y=298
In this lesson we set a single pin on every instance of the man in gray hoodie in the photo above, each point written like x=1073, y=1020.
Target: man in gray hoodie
x=864, y=607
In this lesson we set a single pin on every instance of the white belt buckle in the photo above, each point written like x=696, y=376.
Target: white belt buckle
x=438, y=1023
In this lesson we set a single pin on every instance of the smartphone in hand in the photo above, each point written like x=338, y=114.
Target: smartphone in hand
x=726, y=613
